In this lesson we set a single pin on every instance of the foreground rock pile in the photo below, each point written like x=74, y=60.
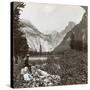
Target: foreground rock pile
x=39, y=77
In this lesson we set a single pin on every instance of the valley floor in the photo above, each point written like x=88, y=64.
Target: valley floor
x=71, y=66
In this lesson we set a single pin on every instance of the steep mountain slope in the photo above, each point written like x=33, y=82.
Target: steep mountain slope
x=57, y=37
x=48, y=42
x=76, y=38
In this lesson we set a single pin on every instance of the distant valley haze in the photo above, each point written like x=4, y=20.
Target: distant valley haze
x=50, y=17
x=47, y=24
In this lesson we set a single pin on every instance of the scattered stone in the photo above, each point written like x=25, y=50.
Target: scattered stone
x=39, y=77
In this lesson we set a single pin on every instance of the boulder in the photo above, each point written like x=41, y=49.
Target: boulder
x=39, y=77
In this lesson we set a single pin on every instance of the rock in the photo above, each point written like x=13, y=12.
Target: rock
x=40, y=78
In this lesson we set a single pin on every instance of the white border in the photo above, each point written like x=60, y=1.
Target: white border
x=5, y=43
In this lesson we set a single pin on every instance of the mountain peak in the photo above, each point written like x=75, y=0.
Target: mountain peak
x=48, y=42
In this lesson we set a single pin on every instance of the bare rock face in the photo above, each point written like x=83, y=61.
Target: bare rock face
x=80, y=34
x=48, y=41
x=76, y=38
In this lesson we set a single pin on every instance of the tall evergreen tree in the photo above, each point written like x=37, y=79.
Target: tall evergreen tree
x=19, y=41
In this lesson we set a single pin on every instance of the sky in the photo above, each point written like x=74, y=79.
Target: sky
x=50, y=17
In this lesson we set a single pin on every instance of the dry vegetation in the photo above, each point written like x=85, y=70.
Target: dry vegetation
x=71, y=66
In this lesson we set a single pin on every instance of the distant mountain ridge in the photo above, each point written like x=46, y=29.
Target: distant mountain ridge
x=79, y=34
x=48, y=42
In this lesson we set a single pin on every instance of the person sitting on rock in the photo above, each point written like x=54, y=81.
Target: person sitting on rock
x=27, y=63
x=26, y=70
x=26, y=74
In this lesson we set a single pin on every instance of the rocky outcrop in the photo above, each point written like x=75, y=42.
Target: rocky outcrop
x=38, y=77
x=79, y=39
x=48, y=42
x=76, y=38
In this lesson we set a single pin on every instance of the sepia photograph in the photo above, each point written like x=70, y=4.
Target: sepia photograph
x=49, y=44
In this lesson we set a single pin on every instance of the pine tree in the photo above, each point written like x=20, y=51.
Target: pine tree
x=19, y=42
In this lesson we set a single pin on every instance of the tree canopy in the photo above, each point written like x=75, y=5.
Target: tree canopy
x=19, y=41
